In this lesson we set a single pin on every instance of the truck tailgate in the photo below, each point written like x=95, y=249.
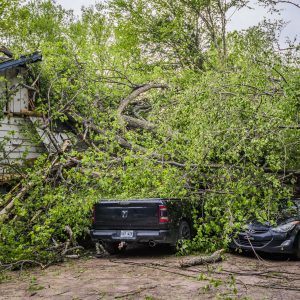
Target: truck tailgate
x=126, y=215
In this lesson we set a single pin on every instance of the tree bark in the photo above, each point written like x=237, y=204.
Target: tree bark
x=144, y=88
x=4, y=212
x=138, y=123
x=202, y=260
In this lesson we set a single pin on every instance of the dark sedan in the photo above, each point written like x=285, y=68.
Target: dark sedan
x=282, y=238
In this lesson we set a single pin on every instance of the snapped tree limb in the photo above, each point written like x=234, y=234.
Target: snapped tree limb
x=138, y=123
x=202, y=260
x=12, y=199
x=135, y=93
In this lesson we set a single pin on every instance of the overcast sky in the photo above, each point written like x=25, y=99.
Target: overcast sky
x=240, y=20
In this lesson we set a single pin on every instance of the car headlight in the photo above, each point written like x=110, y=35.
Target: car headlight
x=286, y=227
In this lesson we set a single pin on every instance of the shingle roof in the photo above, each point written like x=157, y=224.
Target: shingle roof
x=22, y=61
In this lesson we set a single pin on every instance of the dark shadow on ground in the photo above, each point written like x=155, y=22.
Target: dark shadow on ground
x=142, y=250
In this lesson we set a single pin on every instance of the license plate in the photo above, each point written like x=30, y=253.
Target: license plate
x=126, y=234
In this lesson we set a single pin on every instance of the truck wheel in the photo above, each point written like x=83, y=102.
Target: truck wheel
x=298, y=247
x=111, y=247
x=184, y=231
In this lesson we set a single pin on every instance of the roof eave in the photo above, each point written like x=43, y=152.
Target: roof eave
x=21, y=62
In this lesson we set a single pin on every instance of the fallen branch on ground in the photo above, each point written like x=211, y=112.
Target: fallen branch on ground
x=135, y=292
x=20, y=264
x=215, y=257
x=153, y=266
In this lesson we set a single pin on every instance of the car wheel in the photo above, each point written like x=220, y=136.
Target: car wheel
x=111, y=247
x=184, y=231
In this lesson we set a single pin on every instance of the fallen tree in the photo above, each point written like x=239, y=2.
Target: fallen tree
x=222, y=128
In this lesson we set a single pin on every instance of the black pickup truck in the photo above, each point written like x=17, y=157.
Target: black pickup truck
x=152, y=221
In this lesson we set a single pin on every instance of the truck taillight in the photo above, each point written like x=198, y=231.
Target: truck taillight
x=163, y=214
x=94, y=215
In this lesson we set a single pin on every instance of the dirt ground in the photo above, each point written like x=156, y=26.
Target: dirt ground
x=143, y=273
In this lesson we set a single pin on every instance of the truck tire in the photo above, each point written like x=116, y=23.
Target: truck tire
x=297, y=252
x=111, y=247
x=184, y=231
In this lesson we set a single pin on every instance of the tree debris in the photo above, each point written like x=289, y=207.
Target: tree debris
x=203, y=260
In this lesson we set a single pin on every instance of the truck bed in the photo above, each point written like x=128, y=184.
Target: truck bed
x=133, y=214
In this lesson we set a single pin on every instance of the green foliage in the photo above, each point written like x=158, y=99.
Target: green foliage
x=223, y=128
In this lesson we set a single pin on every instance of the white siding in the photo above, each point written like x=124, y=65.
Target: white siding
x=19, y=100
x=18, y=146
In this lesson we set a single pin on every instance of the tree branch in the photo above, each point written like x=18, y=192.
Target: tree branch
x=142, y=89
x=137, y=123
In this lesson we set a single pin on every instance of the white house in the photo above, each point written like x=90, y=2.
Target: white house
x=22, y=138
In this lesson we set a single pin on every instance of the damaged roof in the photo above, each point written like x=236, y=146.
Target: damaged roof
x=21, y=62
